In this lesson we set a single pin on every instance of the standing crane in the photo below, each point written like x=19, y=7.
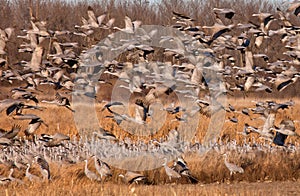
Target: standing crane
x=102, y=168
x=91, y=175
x=232, y=167
x=170, y=172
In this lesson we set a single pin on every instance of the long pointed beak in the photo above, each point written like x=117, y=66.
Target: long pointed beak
x=70, y=109
x=45, y=124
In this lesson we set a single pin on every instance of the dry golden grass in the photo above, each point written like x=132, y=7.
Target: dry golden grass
x=61, y=119
x=209, y=168
x=267, y=173
x=265, y=188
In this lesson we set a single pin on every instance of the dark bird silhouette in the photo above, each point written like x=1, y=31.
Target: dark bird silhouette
x=180, y=166
x=132, y=177
x=228, y=13
x=60, y=101
x=12, y=133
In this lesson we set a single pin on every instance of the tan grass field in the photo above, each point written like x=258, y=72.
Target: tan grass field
x=265, y=173
x=61, y=120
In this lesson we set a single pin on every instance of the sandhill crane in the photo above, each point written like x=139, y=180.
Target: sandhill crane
x=284, y=18
x=54, y=140
x=14, y=179
x=36, y=59
x=60, y=101
x=231, y=108
x=44, y=166
x=232, y=167
x=174, y=110
x=246, y=130
x=295, y=8
x=120, y=117
x=183, y=19
x=104, y=134
x=8, y=104
x=266, y=131
x=108, y=105
x=32, y=84
x=144, y=106
x=232, y=119
x=282, y=82
x=287, y=127
x=228, y=13
x=170, y=172
x=5, y=142
x=217, y=30
x=4, y=36
x=102, y=168
x=23, y=94
x=249, y=82
x=12, y=133
x=4, y=180
x=92, y=20
x=91, y=175
x=19, y=106
x=31, y=177
x=265, y=21
x=132, y=177
x=129, y=25
x=180, y=166
x=34, y=124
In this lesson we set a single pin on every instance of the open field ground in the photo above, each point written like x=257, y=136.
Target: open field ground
x=88, y=188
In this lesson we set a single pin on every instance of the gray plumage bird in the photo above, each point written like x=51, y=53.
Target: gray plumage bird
x=180, y=166
x=102, y=168
x=108, y=105
x=14, y=179
x=232, y=167
x=170, y=172
x=12, y=133
x=91, y=175
x=34, y=124
x=4, y=180
x=295, y=8
x=60, y=101
x=54, y=140
x=104, y=134
x=19, y=93
x=228, y=13
x=11, y=105
x=5, y=142
x=132, y=177
x=130, y=26
x=287, y=127
x=265, y=21
x=31, y=177
x=44, y=166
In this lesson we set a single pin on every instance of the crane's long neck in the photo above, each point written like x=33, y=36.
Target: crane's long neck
x=51, y=102
x=27, y=169
x=86, y=166
x=10, y=173
x=226, y=158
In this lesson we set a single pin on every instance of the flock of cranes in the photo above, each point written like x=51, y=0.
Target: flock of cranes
x=59, y=69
